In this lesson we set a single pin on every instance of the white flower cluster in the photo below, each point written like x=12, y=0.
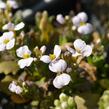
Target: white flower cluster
x=80, y=22
x=81, y=49
x=57, y=65
x=13, y=87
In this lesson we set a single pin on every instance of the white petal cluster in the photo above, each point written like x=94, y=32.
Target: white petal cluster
x=61, y=80
x=10, y=26
x=81, y=49
x=60, y=19
x=80, y=22
x=7, y=41
x=13, y=87
x=25, y=53
x=55, y=64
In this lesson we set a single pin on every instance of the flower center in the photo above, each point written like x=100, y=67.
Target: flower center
x=52, y=56
x=82, y=23
x=26, y=55
x=6, y=41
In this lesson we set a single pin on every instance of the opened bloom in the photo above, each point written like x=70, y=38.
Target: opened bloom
x=25, y=53
x=81, y=49
x=55, y=64
x=51, y=57
x=80, y=22
x=11, y=26
x=60, y=19
x=13, y=87
x=61, y=80
x=7, y=41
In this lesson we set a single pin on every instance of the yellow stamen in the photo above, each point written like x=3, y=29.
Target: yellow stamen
x=82, y=23
x=52, y=56
x=6, y=41
x=26, y=55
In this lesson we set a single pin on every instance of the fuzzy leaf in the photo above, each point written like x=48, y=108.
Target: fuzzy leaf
x=7, y=67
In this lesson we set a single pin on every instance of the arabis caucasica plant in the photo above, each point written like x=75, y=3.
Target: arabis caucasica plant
x=24, y=53
x=80, y=22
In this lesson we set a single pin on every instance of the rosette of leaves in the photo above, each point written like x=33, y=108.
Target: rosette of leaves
x=104, y=100
x=64, y=102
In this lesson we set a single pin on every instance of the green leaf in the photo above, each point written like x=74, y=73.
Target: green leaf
x=104, y=83
x=7, y=67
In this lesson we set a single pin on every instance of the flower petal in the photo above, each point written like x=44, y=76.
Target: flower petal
x=60, y=19
x=10, y=44
x=2, y=5
x=79, y=45
x=45, y=59
x=18, y=90
x=2, y=47
x=19, y=26
x=83, y=16
x=57, y=83
x=22, y=50
x=25, y=62
x=65, y=79
x=61, y=80
x=12, y=86
x=87, y=51
x=8, y=26
x=76, y=21
x=57, y=51
x=71, y=50
x=58, y=66
x=85, y=29
x=8, y=35
x=43, y=49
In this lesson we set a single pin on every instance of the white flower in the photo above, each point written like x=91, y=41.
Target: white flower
x=7, y=41
x=61, y=80
x=80, y=21
x=54, y=56
x=60, y=19
x=2, y=5
x=58, y=66
x=25, y=53
x=11, y=26
x=85, y=29
x=13, y=87
x=55, y=64
x=81, y=48
x=12, y=3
